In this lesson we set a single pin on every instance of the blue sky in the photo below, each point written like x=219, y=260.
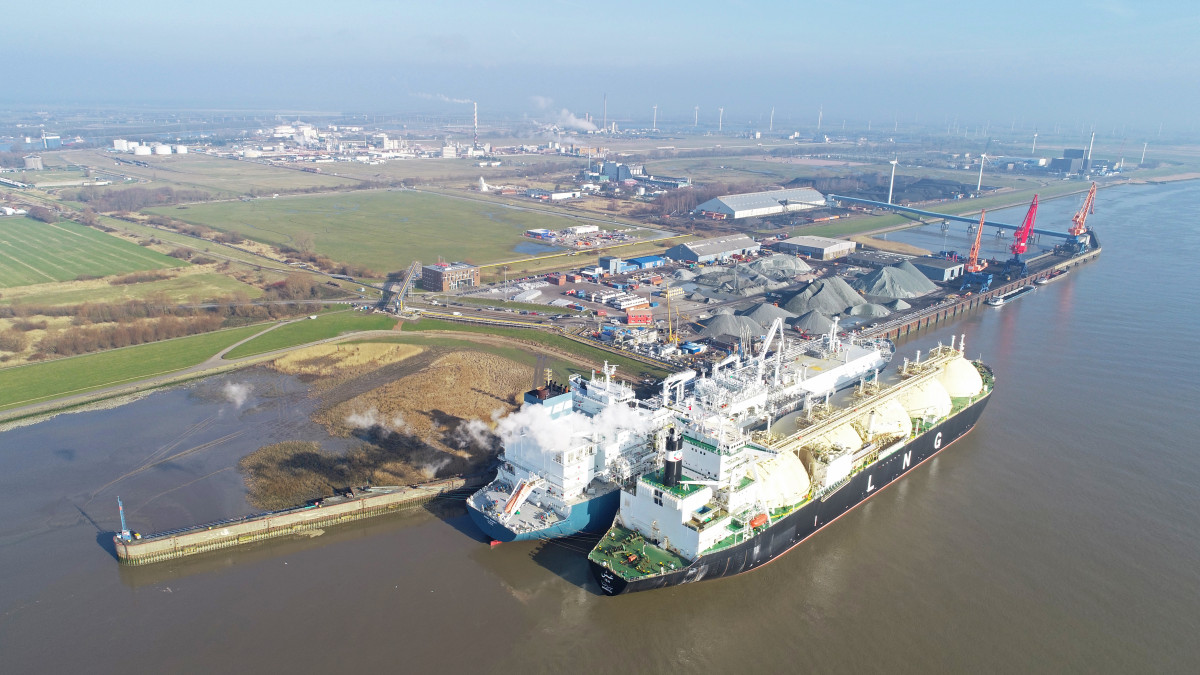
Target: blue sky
x=1111, y=62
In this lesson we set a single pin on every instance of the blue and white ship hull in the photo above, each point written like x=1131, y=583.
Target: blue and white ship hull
x=532, y=522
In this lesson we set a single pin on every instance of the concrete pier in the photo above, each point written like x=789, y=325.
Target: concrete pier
x=358, y=505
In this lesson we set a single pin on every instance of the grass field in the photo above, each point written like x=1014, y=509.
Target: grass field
x=32, y=252
x=220, y=176
x=381, y=229
x=35, y=383
x=310, y=330
x=629, y=367
x=197, y=285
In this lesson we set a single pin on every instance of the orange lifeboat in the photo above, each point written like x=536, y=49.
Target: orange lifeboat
x=759, y=520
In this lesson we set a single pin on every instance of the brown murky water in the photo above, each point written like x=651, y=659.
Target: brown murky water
x=1061, y=535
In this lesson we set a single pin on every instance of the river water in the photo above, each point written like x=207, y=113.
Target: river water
x=1061, y=535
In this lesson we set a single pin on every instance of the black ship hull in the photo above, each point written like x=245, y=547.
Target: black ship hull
x=795, y=528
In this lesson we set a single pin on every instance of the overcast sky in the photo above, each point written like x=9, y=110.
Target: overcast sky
x=1109, y=62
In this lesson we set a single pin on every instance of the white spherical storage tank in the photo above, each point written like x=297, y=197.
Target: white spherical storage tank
x=961, y=379
x=928, y=399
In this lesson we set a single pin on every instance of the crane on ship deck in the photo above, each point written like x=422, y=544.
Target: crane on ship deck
x=1079, y=230
x=975, y=275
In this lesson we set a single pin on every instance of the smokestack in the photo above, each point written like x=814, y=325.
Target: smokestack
x=605, y=125
x=673, y=468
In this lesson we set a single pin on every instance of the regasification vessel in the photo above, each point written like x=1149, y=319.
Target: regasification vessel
x=569, y=450
x=727, y=501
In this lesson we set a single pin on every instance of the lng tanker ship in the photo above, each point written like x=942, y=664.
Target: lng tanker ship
x=569, y=450
x=727, y=501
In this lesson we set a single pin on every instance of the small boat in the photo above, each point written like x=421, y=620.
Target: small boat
x=1045, y=280
x=1009, y=296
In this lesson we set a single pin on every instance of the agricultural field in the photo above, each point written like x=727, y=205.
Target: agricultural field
x=32, y=252
x=189, y=284
x=383, y=230
x=220, y=176
x=450, y=171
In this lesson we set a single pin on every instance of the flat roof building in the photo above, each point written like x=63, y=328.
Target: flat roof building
x=817, y=248
x=938, y=269
x=877, y=258
x=757, y=204
x=446, y=277
x=648, y=261
x=717, y=248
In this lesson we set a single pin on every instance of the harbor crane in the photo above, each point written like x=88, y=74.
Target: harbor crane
x=975, y=275
x=1079, y=230
x=1021, y=242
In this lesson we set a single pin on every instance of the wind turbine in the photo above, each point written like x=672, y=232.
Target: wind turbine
x=1034, y=150
x=720, y=119
x=654, y=124
x=982, y=161
x=892, y=184
x=771, y=126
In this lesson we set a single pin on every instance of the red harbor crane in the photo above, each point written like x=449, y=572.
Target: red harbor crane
x=1021, y=241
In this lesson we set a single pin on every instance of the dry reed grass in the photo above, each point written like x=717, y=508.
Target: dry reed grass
x=341, y=360
x=433, y=423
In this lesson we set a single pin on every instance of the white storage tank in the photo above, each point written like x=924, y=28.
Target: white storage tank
x=928, y=399
x=961, y=379
x=162, y=149
x=141, y=150
x=181, y=150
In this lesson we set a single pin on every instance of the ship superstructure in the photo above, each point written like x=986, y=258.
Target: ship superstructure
x=728, y=499
x=566, y=453
x=570, y=449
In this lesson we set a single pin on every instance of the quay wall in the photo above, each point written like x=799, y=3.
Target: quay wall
x=204, y=538
x=937, y=313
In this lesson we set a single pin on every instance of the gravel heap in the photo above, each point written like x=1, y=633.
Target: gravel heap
x=813, y=322
x=729, y=324
x=829, y=296
x=897, y=305
x=765, y=313
x=779, y=267
x=869, y=310
x=897, y=281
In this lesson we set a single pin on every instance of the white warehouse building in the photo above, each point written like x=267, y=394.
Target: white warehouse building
x=758, y=204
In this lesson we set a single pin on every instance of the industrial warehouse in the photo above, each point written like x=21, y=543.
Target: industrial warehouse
x=718, y=248
x=758, y=204
x=817, y=248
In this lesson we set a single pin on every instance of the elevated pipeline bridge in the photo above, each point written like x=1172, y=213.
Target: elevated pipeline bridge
x=943, y=216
